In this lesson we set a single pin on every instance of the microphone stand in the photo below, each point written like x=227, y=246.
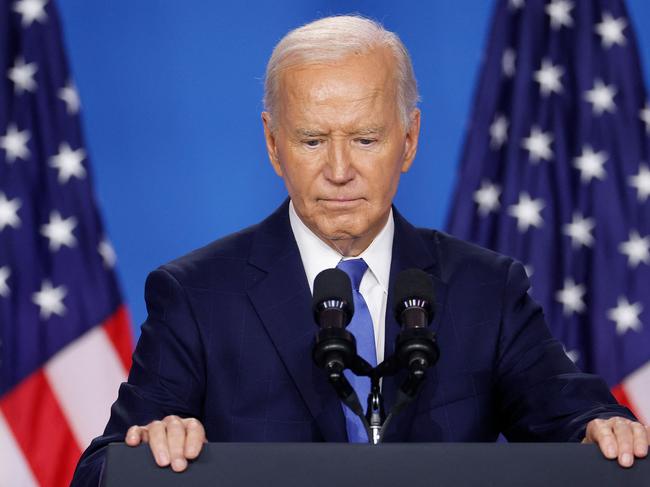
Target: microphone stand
x=375, y=421
x=408, y=391
x=335, y=351
x=376, y=415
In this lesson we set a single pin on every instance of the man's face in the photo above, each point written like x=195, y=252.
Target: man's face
x=339, y=144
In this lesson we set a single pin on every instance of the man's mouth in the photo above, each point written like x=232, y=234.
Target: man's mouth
x=341, y=202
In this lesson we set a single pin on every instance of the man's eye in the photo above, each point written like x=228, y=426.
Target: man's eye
x=312, y=143
x=366, y=141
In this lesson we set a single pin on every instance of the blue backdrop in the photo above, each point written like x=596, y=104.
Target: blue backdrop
x=171, y=94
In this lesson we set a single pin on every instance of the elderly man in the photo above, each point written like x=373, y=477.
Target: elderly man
x=225, y=352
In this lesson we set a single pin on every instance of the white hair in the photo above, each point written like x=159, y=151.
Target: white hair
x=331, y=39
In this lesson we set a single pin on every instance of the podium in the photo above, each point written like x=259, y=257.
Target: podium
x=389, y=464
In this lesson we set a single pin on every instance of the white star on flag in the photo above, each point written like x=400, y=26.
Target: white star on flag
x=590, y=164
x=644, y=115
x=22, y=76
x=560, y=13
x=626, y=315
x=14, y=142
x=4, y=275
x=487, y=197
x=580, y=230
x=527, y=212
x=68, y=162
x=515, y=4
x=31, y=10
x=548, y=78
x=71, y=98
x=637, y=249
x=601, y=97
x=610, y=30
x=9, y=212
x=50, y=300
x=107, y=252
x=59, y=231
x=498, y=131
x=641, y=182
x=571, y=297
x=538, y=144
x=508, y=61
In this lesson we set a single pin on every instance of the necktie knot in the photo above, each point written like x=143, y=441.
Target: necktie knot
x=355, y=269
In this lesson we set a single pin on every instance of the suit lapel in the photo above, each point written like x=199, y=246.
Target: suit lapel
x=410, y=250
x=282, y=299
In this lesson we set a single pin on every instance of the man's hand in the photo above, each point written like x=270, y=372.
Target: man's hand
x=172, y=441
x=619, y=437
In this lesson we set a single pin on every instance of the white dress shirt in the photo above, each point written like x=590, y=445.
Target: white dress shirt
x=317, y=256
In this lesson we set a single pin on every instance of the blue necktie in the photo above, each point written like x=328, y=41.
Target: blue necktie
x=362, y=329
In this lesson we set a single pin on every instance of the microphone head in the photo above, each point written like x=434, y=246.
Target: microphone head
x=413, y=288
x=333, y=290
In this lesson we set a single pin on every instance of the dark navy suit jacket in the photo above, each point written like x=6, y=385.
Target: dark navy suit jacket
x=229, y=335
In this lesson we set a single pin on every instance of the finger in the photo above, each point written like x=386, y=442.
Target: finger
x=158, y=442
x=133, y=436
x=176, y=442
x=625, y=441
x=600, y=431
x=194, y=439
x=640, y=440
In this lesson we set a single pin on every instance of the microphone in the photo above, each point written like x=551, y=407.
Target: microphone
x=333, y=307
x=335, y=348
x=414, y=308
x=332, y=303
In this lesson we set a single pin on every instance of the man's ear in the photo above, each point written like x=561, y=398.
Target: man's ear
x=412, y=137
x=271, y=147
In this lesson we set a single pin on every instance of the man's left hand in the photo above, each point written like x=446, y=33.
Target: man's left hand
x=619, y=438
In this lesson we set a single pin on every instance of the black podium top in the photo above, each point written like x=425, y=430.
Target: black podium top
x=412, y=464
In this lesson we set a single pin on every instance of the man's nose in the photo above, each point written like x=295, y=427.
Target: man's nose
x=339, y=168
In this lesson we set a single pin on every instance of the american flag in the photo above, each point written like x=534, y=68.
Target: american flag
x=555, y=172
x=65, y=339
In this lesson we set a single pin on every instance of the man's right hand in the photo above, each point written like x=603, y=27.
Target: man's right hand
x=173, y=440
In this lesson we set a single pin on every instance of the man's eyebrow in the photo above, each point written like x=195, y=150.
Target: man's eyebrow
x=373, y=130
x=304, y=132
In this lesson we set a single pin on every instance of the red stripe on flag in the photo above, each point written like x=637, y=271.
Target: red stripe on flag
x=620, y=395
x=41, y=430
x=118, y=329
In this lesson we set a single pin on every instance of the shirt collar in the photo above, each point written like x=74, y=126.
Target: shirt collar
x=317, y=256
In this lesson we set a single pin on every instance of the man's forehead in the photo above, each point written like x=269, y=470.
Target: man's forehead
x=329, y=85
x=374, y=69
x=369, y=115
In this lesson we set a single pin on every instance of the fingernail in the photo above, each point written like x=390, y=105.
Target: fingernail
x=626, y=459
x=611, y=451
x=179, y=464
x=191, y=451
x=163, y=459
